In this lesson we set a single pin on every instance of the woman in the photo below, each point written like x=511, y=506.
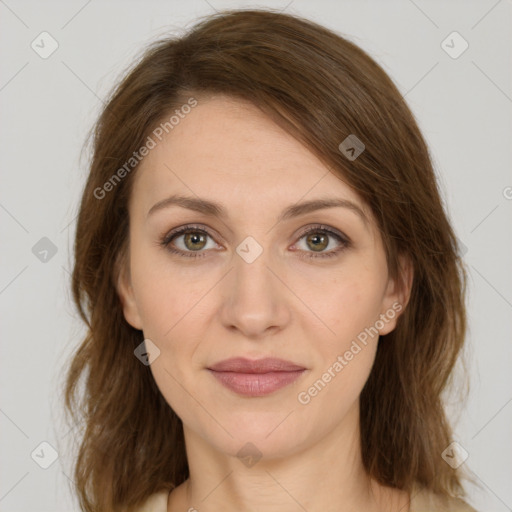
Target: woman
x=273, y=292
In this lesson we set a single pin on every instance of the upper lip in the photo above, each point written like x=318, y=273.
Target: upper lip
x=266, y=365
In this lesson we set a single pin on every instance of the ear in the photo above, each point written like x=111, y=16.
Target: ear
x=397, y=296
x=125, y=292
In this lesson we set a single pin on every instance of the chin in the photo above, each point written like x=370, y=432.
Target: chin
x=254, y=446
x=256, y=434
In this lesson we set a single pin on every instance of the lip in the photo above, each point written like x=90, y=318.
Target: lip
x=256, y=377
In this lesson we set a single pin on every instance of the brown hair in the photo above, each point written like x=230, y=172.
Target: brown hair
x=321, y=88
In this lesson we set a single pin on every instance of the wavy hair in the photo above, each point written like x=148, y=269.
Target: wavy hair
x=321, y=88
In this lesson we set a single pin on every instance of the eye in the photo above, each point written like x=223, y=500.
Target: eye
x=190, y=241
x=193, y=241
x=318, y=238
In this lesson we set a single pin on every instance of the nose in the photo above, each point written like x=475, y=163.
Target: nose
x=256, y=300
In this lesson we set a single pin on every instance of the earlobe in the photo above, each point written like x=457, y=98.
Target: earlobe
x=127, y=297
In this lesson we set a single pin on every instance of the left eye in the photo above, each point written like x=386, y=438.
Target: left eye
x=193, y=242
x=319, y=241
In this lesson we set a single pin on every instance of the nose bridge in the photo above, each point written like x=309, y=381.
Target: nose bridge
x=254, y=301
x=252, y=263
x=253, y=279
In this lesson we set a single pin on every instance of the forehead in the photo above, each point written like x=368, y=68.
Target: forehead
x=230, y=151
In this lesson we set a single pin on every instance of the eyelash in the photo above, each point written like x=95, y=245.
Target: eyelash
x=167, y=239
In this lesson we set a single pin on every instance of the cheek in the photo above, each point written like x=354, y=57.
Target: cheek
x=171, y=299
x=169, y=306
x=344, y=355
x=348, y=302
x=165, y=298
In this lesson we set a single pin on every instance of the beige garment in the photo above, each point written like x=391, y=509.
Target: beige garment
x=156, y=503
x=421, y=501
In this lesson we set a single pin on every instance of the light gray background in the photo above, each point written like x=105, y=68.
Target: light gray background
x=463, y=106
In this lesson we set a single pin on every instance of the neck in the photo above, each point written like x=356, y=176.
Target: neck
x=327, y=475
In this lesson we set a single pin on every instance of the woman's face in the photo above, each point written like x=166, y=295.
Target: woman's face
x=248, y=281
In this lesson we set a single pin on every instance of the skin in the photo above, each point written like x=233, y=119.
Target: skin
x=199, y=311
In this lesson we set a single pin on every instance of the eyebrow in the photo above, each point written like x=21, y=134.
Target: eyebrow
x=214, y=209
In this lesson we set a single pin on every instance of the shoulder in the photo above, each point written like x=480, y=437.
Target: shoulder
x=423, y=500
x=155, y=503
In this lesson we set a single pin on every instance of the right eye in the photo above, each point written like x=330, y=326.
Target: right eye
x=191, y=241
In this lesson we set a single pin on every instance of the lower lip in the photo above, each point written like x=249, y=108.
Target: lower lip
x=256, y=384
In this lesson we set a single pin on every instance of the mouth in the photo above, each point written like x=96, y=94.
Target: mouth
x=256, y=377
